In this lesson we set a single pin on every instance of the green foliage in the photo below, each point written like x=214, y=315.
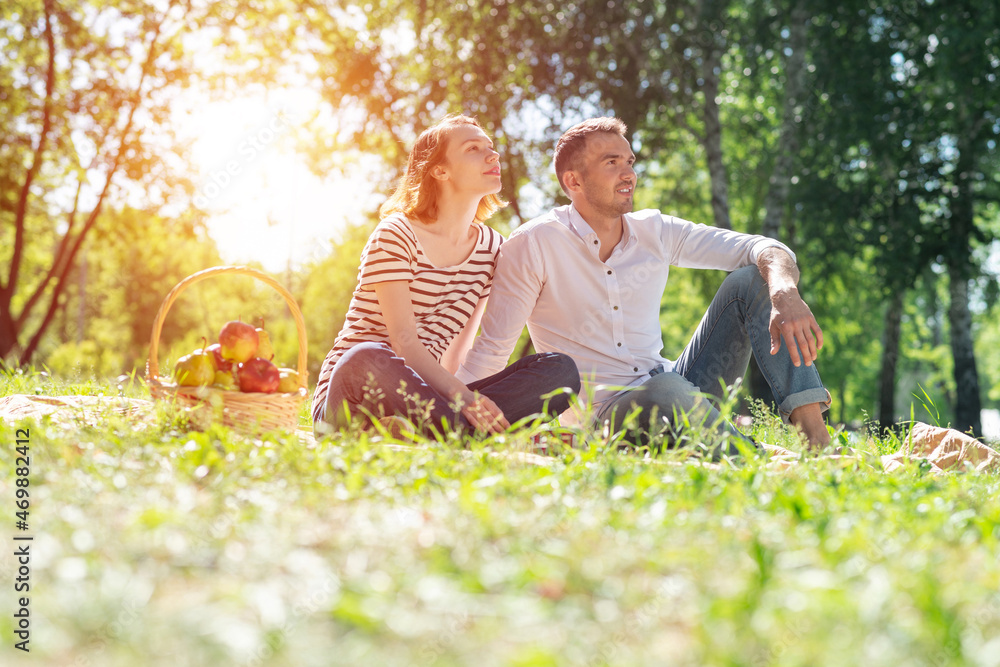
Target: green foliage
x=987, y=343
x=925, y=371
x=678, y=185
x=121, y=285
x=75, y=361
x=498, y=63
x=907, y=153
x=115, y=294
x=849, y=360
x=688, y=293
x=161, y=546
x=327, y=287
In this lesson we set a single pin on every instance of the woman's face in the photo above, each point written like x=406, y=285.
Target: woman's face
x=470, y=164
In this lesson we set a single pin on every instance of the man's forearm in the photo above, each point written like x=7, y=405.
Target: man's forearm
x=778, y=269
x=790, y=320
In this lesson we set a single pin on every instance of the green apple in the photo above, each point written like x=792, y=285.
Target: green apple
x=225, y=380
x=195, y=370
x=288, y=381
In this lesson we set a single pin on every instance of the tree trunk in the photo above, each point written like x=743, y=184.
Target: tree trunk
x=8, y=337
x=8, y=325
x=967, y=403
x=713, y=142
x=38, y=157
x=712, y=36
x=960, y=263
x=776, y=201
x=890, y=356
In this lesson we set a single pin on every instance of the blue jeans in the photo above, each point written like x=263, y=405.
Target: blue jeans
x=734, y=327
x=369, y=381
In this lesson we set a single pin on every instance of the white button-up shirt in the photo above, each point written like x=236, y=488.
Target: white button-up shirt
x=604, y=314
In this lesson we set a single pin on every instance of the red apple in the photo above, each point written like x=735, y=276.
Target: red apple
x=220, y=363
x=258, y=375
x=238, y=341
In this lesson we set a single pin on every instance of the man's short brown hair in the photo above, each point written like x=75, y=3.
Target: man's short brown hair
x=574, y=140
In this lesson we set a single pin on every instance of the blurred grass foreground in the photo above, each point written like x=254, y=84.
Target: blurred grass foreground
x=156, y=545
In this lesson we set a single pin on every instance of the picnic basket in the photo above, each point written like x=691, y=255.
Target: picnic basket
x=242, y=411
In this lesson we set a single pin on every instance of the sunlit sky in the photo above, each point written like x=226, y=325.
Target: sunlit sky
x=264, y=203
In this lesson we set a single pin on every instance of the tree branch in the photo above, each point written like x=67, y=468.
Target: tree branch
x=57, y=263
x=36, y=161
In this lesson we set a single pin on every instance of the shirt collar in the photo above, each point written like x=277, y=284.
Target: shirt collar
x=579, y=225
x=587, y=233
x=629, y=234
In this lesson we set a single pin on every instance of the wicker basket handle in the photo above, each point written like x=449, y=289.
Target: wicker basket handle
x=153, y=364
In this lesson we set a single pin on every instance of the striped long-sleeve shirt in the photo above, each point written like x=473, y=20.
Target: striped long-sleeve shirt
x=443, y=297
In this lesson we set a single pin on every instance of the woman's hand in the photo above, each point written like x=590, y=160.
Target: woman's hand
x=484, y=414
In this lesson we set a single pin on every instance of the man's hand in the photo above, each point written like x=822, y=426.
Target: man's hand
x=792, y=320
x=484, y=414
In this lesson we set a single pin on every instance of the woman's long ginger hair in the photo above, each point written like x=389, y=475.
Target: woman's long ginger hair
x=418, y=192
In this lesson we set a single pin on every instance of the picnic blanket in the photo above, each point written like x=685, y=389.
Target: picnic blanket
x=944, y=449
x=71, y=410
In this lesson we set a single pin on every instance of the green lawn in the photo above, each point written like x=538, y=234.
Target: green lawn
x=157, y=546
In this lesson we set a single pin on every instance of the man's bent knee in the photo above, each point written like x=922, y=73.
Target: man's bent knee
x=746, y=274
x=667, y=392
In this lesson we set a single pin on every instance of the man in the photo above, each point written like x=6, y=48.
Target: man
x=588, y=279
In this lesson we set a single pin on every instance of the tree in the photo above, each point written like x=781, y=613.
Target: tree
x=404, y=66
x=659, y=67
x=962, y=64
x=911, y=146
x=86, y=94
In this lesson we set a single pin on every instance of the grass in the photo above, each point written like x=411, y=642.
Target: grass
x=158, y=546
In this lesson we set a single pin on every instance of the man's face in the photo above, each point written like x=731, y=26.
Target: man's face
x=606, y=174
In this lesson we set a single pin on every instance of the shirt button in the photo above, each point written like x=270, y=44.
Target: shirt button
x=595, y=241
x=616, y=307
x=619, y=344
x=636, y=369
x=609, y=272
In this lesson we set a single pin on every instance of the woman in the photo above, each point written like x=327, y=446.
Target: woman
x=422, y=287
